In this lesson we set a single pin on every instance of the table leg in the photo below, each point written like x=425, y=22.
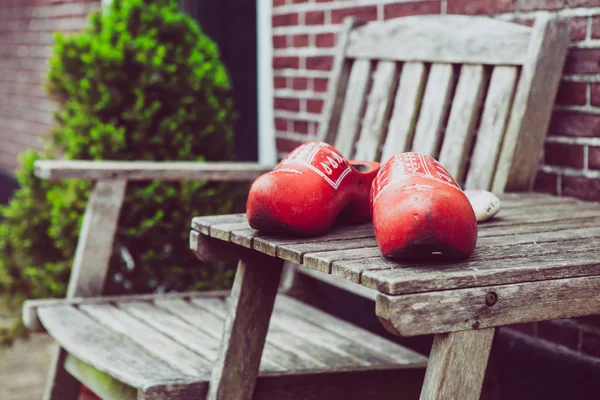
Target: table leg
x=252, y=298
x=457, y=365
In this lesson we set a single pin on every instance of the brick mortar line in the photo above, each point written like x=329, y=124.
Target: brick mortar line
x=304, y=52
x=336, y=5
x=587, y=141
x=296, y=137
x=580, y=109
x=297, y=116
x=300, y=94
x=567, y=171
x=301, y=73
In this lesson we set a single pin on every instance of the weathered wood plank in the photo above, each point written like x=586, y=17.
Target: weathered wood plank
x=464, y=112
x=310, y=355
x=338, y=83
x=175, y=328
x=94, y=247
x=341, y=283
x=443, y=39
x=173, y=353
x=378, y=345
x=252, y=297
x=295, y=252
x=532, y=106
x=223, y=231
x=269, y=244
x=491, y=128
x=94, y=344
x=30, y=307
x=414, y=279
x=100, y=383
x=149, y=170
x=174, y=390
x=353, y=107
x=90, y=267
x=585, y=222
x=203, y=224
x=406, y=109
x=434, y=109
x=457, y=365
x=210, y=316
x=210, y=249
x=484, y=307
x=378, y=110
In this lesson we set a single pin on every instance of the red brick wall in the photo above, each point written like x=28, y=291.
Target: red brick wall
x=26, y=28
x=304, y=33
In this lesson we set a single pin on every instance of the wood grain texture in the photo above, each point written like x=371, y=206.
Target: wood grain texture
x=203, y=224
x=172, y=352
x=174, y=390
x=379, y=106
x=457, y=365
x=95, y=245
x=210, y=314
x=383, y=348
x=148, y=170
x=353, y=107
x=175, y=328
x=492, y=127
x=443, y=39
x=338, y=83
x=94, y=344
x=90, y=267
x=30, y=307
x=434, y=109
x=310, y=352
x=484, y=307
x=416, y=279
x=464, y=114
x=532, y=106
x=406, y=109
x=210, y=249
x=252, y=297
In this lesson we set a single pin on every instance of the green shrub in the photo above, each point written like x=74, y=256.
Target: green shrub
x=142, y=82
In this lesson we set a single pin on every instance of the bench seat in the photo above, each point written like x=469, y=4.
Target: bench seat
x=165, y=346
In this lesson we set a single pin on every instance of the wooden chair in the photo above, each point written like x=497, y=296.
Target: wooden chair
x=476, y=93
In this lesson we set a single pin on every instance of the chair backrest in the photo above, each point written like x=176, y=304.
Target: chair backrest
x=476, y=93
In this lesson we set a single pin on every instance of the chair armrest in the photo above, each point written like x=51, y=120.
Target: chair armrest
x=146, y=170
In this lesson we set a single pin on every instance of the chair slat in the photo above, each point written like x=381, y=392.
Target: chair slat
x=406, y=109
x=492, y=127
x=378, y=110
x=532, y=105
x=174, y=354
x=463, y=117
x=434, y=109
x=442, y=39
x=353, y=106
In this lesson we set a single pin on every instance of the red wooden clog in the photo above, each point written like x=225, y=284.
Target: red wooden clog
x=419, y=210
x=310, y=190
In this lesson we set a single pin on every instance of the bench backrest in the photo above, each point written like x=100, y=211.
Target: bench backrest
x=476, y=93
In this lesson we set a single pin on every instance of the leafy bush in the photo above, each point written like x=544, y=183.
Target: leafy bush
x=142, y=82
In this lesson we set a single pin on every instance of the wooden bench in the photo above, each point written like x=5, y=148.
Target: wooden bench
x=477, y=93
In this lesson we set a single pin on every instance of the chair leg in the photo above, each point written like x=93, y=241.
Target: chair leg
x=60, y=385
x=252, y=299
x=457, y=365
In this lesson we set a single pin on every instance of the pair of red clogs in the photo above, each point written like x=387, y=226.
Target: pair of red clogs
x=417, y=208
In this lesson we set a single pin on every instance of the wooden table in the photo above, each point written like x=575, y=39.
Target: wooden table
x=538, y=259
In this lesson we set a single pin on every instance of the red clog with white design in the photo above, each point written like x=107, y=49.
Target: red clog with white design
x=419, y=210
x=310, y=190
